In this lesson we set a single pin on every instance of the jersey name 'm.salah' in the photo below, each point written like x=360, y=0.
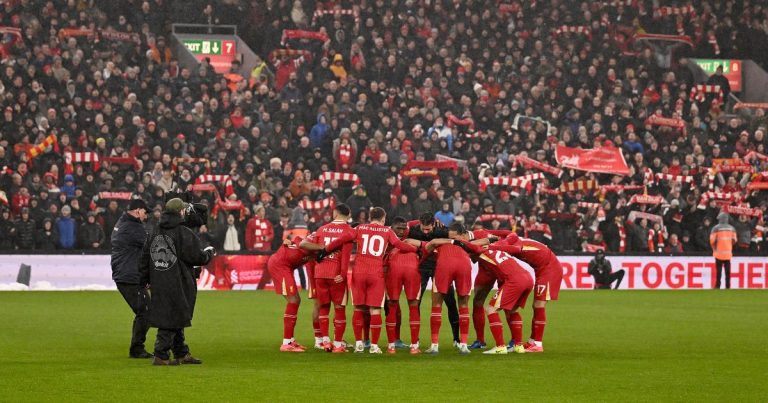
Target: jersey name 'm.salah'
x=451, y=255
x=330, y=267
x=372, y=243
x=292, y=256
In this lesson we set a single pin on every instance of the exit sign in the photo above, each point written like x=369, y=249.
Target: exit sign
x=210, y=47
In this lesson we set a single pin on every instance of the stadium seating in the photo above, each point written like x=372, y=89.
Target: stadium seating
x=456, y=107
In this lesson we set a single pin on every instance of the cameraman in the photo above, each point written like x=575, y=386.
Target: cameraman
x=167, y=267
x=600, y=269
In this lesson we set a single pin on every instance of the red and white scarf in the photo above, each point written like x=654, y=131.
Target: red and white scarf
x=674, y=178
x=682, y=11
x=712, y=40
x=574, y=29
x=622, y=239
x=723, y=196
x=300, y=34
x=226, y=180
x=71, y=157
x=516, y=182
x=347, y=12
x=743, y=209
x=337, y=176
x=318, y=205
x=115, y=195
x=645, y=199
x=699, y=92
x=531, y=163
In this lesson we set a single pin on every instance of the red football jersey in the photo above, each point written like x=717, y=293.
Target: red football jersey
x=291, y=256
x=535, y=253
x=336, y=263
x=402, y=260
x=501, y=263
x=451, y=255
x=372, y=241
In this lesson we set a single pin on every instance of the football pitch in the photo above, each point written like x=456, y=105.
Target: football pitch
x=600, y=346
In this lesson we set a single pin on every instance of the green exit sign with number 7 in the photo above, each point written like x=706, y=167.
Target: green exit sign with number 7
x=210, y=47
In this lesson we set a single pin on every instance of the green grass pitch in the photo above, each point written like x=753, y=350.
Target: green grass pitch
x=600, y=346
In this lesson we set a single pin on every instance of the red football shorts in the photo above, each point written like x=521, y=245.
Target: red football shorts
x=368, y=290
x=311, y=286
x=459, y=274
x=485, y=278
x=282, y=278
x=328, y=290
x=513, y=293
x=547, y=287
x=399, y=278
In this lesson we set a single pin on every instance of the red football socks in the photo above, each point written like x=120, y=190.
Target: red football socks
x=357, y=324
x=375, y=327
x=339, y=323
x=463, y=324
x=323, y=319
x=399, y=317
x=366, y=324
x=414, y=316
x=478, y=321
x=392, y=319
x=515, y=322
x=289, y=319
x=434, y=323
x=497, y=328
x=316, y=327
x=539, y=321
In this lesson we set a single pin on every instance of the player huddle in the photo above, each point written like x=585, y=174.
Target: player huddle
x=387, y=263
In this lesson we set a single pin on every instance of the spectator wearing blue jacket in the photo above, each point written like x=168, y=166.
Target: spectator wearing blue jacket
x=631, y=144
x=69, y=186
x=445, y=215
x=319, y=131
x=66, y=226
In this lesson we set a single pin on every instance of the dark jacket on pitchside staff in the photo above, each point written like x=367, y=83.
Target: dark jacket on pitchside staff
x=128, y=238
x=167, y=265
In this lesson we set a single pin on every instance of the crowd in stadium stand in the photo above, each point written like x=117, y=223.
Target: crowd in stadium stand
x=409, y=105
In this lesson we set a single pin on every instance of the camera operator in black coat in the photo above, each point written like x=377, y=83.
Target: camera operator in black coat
x=600, y=269
x=167, y=268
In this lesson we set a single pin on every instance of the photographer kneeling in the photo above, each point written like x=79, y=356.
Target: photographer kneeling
x=167, y=265
x=600, y=269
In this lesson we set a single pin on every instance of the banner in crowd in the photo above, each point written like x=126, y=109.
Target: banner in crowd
x=228, y=272
x=603, y=160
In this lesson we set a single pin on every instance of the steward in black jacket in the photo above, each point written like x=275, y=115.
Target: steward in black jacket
x=127, y=239
x=167, y=268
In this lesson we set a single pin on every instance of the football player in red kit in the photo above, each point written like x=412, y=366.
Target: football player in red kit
x=514, y=286
x=549, y=275
x=368, y=285
x=281, y=266
x=330, y=278
x=453, y=266
x=403, y=274
x=483, y=283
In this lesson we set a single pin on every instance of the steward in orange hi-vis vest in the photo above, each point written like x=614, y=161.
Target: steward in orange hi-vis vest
x=722, y=238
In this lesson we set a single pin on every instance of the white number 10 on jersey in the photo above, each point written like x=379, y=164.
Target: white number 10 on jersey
x=373, y=246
